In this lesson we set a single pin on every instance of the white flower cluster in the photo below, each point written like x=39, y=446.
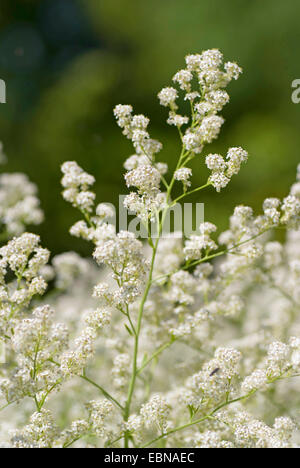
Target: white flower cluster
x=40, y=433
x=135, y=128
x=196, y=245
x=24, y=258
x=143, y=172
x=207, y=99
x=19, y=205
x=185, y=342
x=214, y=381
x=183, y=174
x=124, y=255
x=222, y=170
x=74, y=360
x=76, y=183
x=156, y=411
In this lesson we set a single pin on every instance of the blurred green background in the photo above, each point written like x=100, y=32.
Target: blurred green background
x=68, y=62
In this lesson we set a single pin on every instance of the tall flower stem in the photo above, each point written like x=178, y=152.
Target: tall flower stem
x=135, y=369
x=136, y=341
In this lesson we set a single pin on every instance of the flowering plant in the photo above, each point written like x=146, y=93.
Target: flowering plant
x=184, y=342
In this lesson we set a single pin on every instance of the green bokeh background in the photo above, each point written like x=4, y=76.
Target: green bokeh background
x=67, y=63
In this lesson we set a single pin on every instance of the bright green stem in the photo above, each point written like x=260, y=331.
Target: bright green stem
x=136, y=340
x=104, y=392
x=135, y=370
x=191, y=191
x=214, y=411
x=198, y=421
x=155, y=355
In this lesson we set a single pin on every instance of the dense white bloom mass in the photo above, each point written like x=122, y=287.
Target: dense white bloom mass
x=186, y=341
x=183, y=174
x=19, y=205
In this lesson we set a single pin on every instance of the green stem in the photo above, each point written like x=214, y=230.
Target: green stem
x=155, y=355
x=110, y=443
x=136, y=341
x=141, y=308
x=191, y=191
x=197, y=421
x=130, y=321
x=7, y=405
x=37, y=404
x=104, y=392
x=68, y=444
x=210, y=257
x=135, y=370
x=225, y=251
x=218, y=408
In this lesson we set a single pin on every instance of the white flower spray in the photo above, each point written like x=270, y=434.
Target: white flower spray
x=185, y=342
